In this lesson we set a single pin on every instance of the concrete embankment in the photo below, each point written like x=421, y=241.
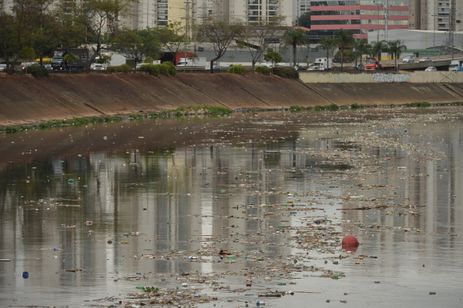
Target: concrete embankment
x=24, y=99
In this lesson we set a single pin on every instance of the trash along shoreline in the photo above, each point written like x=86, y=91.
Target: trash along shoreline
x=25, y=100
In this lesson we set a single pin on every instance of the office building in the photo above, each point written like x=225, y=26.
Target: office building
x=359, y=16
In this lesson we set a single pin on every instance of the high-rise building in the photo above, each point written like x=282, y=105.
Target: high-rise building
x=153, y=13
x=150, y=13
x=359, y=16
x=261, y=11
x=6, y=6
x=302, y=6
x=436, y=15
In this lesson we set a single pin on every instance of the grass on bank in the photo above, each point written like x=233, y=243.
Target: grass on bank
x=419, y=105
x=356, y=106
x=211, y=111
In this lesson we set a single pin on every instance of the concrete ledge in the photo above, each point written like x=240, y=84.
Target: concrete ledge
x=415, y=77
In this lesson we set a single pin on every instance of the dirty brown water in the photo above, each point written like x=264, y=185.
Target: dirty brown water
x=92, y=213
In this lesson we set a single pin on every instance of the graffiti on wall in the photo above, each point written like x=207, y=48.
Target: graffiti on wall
x=391, y=77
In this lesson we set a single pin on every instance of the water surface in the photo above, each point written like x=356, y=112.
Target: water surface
x=93, y=212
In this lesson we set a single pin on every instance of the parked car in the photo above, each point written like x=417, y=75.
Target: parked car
x=424, y=59
x=98, y=67
x=24, y=65
x=408, y=59
x=2, y=67
x=431, y=69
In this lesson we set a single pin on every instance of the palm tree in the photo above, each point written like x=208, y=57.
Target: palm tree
x=344, y=41
x=361, y=47
x=377, y=48
x=395, y=48
x=295, y=37
x=328, y=43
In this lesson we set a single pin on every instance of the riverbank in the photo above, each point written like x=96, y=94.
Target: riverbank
x=25, y=99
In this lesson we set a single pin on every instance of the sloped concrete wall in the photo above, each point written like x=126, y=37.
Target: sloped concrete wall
x=24, y=99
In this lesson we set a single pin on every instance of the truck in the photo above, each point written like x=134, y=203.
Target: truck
x=198, y=63
x=456, y=66
x=176, y=57
x=371, y=64
x=77, y=62
x=320, y=64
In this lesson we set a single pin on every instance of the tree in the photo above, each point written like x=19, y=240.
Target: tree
x=295, y=37
x=273, y=57
x=329, y=44
x=101, y=18
x=72, y=31
x=137, y=44
x=344, y=41
x=255, y=39
x=361, y=47
x=9, y=45
x=220, y=35
x=172, y=36
x=304, y=20
x=35, y=26
x=377, y=48
x=43, y=39
x=395, y=49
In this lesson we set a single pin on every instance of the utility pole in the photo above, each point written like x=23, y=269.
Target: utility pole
x=434, y=32
x=193, y=21
x=386, y=20
x=452, y=24
x=187, y=18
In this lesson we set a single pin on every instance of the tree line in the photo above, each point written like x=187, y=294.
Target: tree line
x=354, y=50
x=38, y=27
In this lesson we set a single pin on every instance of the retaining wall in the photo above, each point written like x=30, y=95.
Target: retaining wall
x=24, y=99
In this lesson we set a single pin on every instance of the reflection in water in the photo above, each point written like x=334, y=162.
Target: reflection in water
x=79, y=223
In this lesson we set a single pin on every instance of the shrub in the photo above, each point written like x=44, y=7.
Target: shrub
x=167, y=68
x=237, y=69
x=124, y=68
x=296, y=108
x=218, y=111
x=286, y=72
x=37, y=71
x=419, y=104
x=152, y=69
x=263, y=70
x=148, y=60
x=355, y=106
x=330, y=107
x=273, y=57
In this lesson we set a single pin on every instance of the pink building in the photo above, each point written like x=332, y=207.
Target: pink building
x=359, y=16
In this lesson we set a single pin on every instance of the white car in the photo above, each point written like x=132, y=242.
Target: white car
x=431, y=69
x=425, y=59
x=25, y=65
x=98, y=67
x=2, y=67
x=408, y=59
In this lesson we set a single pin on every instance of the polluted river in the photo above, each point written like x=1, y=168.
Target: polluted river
x=242, y=211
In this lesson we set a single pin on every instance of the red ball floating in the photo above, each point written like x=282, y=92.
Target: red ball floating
x=350, y=242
